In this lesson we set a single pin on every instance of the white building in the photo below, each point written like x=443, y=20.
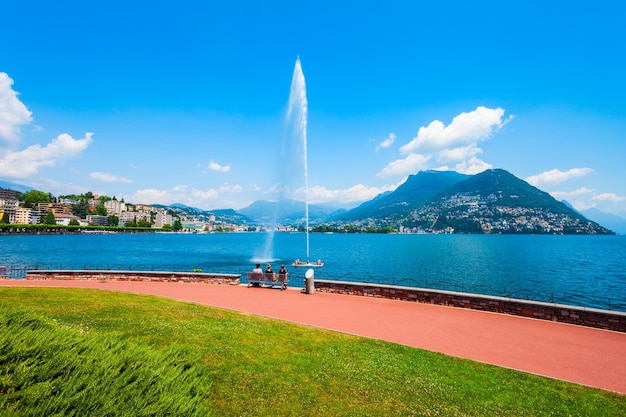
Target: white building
x=64, y=219
x=115, y=207
x=161, y=219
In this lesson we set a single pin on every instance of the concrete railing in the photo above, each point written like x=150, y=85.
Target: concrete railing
x=583, y=316
x=147, y=276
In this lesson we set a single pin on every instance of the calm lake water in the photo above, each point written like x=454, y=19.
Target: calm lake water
x=577, y=270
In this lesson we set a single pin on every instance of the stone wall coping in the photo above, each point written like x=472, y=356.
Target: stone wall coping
x=129, y=272
x=478, y=296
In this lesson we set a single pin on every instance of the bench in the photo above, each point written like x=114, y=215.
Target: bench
x=267, y=280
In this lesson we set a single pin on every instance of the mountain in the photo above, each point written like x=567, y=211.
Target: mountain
x=15, y=187
x=417, y=190
x=610, y=221
x=286, y=211
x=510, y=192
x=494, y=201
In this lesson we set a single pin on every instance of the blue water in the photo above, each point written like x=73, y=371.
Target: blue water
x=579, y=270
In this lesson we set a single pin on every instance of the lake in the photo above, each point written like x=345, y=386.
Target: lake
x=578, y=270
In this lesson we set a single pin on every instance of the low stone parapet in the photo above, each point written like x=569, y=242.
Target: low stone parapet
x=146, y=276
x=583, y=316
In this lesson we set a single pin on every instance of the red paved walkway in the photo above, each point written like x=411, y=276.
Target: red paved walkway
x=572, y=353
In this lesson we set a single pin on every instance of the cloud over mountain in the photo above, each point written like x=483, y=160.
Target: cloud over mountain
x=556, y=176
x=456, y=143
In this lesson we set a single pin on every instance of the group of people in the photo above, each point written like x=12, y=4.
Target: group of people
x=268, y=269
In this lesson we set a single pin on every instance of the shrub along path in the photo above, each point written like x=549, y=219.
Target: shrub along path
x=577, y=354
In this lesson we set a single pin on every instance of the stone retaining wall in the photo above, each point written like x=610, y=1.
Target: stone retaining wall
x=146, y=276
x=583, y=316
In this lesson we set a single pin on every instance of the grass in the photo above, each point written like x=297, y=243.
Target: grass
x=77, y=352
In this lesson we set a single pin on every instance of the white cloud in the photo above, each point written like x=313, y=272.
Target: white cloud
x=568, y=195
x=455, y=144
x=472, y=166
x=214, y=166
x=409, y=165
x=458, y=154
x=585, y=198
x=13, y=113
x=357, y=193
x=106, y=177
x=556, y=176
x=185, y=194
x=27, y=162
x=465, y=130
x=612, y=197
x=387, y=142
x=578, y=198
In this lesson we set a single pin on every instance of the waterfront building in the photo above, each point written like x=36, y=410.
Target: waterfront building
x=161, y=219
x=8, y=206
x=22, y=216
x=98, y=220
x=55, y=208
x=64, y=219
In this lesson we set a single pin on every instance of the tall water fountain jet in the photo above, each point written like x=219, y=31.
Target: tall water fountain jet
x=297, y=118
x=294, y=158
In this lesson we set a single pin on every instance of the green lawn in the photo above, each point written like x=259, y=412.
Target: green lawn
x=77, y=352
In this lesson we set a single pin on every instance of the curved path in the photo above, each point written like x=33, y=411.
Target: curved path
x=577, y=354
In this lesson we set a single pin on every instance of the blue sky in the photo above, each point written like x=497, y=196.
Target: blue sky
x=165, y=102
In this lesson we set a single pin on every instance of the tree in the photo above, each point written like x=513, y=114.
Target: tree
x=101, y=210
x=114, y=220
x=5, y=218
x=177, y=226
x=80, y=209
x=74, y=222
x=143, y=223
x=34, y=197
x=49, y=219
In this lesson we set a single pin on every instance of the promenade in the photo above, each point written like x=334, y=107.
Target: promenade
x=582, y=355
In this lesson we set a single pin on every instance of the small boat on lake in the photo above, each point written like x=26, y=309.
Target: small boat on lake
x=317, y=264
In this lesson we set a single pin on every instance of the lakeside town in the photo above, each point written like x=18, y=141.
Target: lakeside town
x=93, y=210
x=454, y=213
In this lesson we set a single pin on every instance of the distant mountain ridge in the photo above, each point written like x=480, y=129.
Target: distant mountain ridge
x=15, y=187
x=611, y=221
x=286, y=211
